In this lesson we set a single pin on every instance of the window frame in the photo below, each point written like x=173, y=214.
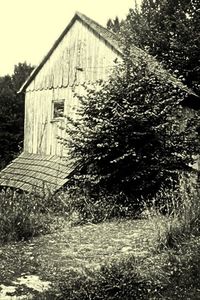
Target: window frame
x=57, y=118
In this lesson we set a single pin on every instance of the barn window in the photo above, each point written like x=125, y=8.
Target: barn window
x=58, y=109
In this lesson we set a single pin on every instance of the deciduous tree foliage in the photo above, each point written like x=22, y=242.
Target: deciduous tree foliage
x=133, y=134
x=12, y=113
x=170, y=31
x=129, y=138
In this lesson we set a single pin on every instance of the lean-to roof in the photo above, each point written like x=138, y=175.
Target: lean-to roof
x=36, y=173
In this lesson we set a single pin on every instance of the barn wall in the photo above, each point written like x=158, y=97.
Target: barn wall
x=80, y=57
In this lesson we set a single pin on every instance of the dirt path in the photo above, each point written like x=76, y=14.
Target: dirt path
x=29, y=267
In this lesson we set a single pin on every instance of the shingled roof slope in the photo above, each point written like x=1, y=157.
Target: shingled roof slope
x=108, y=36
x=114, y=42
x=36, y=173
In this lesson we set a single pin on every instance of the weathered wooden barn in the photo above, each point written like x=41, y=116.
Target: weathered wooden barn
x=85, y=52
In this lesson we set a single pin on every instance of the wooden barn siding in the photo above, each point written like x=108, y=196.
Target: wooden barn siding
x=55, y=81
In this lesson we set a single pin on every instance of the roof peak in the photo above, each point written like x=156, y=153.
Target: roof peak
x=109, y=37
x=112, y=40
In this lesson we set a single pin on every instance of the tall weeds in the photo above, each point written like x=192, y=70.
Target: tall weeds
x=22, y=216
x=182, y=217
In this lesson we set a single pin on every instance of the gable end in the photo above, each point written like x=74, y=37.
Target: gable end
x=108, y=37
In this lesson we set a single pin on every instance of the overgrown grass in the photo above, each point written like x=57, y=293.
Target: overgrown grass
x=182, y=220
x=182, y=269
x=23, y=215
x=113, y=281
x=170, y=271
x=167, y=275
x=82, y=209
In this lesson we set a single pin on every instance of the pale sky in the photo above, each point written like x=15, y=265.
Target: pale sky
x=28, y=28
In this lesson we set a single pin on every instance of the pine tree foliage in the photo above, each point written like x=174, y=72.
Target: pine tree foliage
x=114, y=25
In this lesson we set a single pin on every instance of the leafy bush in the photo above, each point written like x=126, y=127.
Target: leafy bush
x=130, y=135
x=22, y=216
x=168, y=30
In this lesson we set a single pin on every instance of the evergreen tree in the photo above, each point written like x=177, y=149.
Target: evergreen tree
x=12, y=113
x=109, y=24
x=113, y=25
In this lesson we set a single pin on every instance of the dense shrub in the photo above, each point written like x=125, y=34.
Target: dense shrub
x=170, y=31
x=129, y=137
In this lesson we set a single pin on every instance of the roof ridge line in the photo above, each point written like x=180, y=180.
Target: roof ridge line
x=81, y=14
x=84, y=19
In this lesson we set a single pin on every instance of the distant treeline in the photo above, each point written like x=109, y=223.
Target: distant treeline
x=12, y=113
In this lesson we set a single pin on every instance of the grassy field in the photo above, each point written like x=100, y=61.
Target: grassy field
x=44, y=255
x=76, y=248
x=129, y=248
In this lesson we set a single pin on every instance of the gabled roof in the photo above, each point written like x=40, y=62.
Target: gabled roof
x=113, y=41
x=107, y=36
